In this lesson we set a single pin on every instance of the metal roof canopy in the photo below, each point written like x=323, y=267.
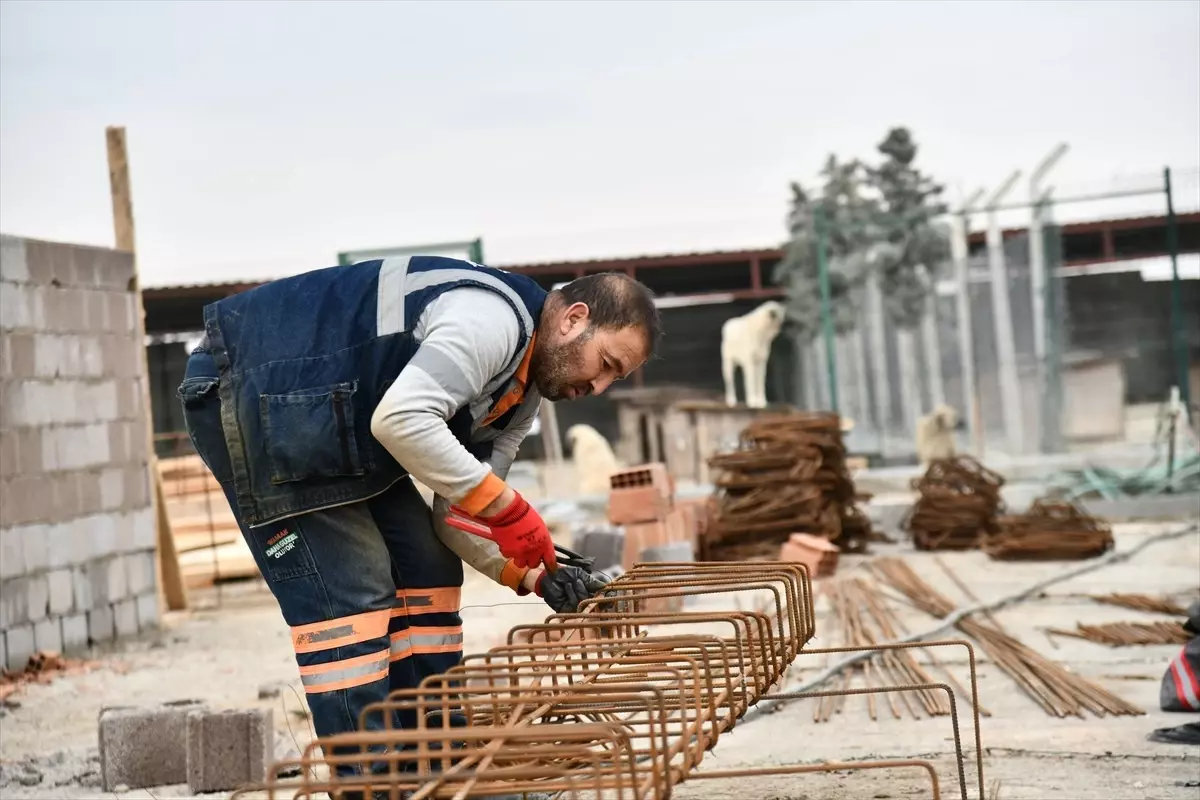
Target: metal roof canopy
x=470, y=249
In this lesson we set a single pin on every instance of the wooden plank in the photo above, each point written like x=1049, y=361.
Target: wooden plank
x=122, y=197
x=170, y=579
x=233, y=561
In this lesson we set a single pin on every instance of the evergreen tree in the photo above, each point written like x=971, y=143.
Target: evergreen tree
x=848, y=223
x=909, y=242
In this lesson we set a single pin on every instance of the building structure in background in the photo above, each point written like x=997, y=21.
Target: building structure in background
x=1115, y=306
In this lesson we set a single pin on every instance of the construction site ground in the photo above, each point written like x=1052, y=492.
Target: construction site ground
x=237, y=655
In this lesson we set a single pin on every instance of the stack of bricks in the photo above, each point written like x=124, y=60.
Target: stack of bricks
x=642, y=501
x=77, y=528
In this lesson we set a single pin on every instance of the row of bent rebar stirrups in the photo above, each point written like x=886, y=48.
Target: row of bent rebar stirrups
x=619, y=701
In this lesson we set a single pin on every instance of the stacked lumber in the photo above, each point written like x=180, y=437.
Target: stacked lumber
x=207, y=537
x=788, y=476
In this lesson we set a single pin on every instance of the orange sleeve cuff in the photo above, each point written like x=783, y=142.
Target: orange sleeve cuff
x=512, y=575
x=482, y=495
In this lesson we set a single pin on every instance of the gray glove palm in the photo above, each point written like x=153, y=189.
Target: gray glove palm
x=565, y=589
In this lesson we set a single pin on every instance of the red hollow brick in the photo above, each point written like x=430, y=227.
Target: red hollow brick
x=814, y=552
x=637, y=504
x=654, y=474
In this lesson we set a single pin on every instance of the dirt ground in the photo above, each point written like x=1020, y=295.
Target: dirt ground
x=237, y=655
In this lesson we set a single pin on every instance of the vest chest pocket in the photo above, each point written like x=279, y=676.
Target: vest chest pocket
x=310, y=433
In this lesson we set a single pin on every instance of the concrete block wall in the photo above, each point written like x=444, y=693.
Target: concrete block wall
x=77, y=529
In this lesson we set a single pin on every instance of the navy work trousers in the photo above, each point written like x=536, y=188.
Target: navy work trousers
x=369, y=591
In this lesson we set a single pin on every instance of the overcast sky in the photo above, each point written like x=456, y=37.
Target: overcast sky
x=265, y=137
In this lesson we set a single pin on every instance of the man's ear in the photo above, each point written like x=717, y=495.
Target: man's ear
x=575, y=315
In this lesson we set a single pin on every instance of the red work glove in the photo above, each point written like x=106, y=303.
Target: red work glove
x=518, y=529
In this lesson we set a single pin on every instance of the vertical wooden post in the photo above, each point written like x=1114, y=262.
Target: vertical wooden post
x=122, y=197
x=170, y=576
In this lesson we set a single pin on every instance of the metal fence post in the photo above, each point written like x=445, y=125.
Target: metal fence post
x=826, y=310
x=966, y=334
x=1178, y=340
x=1006, y=350
x=1038, y=284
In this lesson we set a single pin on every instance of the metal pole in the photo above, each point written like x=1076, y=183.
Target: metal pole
x=1037, y=286
x=879, y=359
x=932, y=345
x=826, y=310
x=1178, y=342
x=1006, y=349
x=1056, y=315
x=966, y=334
x=1037, y=250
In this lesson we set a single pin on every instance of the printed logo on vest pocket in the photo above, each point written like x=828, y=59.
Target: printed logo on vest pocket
x=281, y=544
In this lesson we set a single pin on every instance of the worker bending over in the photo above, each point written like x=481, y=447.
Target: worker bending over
x=315, y=399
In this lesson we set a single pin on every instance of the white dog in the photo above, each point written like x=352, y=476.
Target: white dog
x=935, y=434
x=746, y=343
x=594, y=459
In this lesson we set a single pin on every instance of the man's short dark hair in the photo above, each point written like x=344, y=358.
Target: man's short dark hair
x=616, y=301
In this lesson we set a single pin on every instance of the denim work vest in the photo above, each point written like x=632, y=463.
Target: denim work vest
x=305, y=360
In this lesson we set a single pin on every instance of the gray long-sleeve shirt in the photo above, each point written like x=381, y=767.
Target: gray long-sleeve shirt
x=467, y=336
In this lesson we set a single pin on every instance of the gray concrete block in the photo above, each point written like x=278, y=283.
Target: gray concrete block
x=102, y=532
x=81, y=588
x=13, y=266
x=145, y=529
x=35, y=543
x=38, y=589
x=147, y=611
x=107, y=579
x=604, y=544
x=139, y=572
x=74, y=633
x=101, y=627
x=14, y=602
x=67, y=544
x=228, y=749
x=47, y=635
x=62, y=595
x=12, y=555
x=112, y=481
x=142, y=747
x=125, y=618
x=20, y=647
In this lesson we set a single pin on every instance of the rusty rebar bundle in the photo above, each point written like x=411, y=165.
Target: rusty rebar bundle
x=616, y=702
x=789, y=476
x=1125, y=634
x=1059, y=692
x=1055, y=530
x=1142, y=602
x=956, y=507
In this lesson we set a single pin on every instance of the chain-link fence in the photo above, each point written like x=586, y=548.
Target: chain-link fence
x=1076, y=348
